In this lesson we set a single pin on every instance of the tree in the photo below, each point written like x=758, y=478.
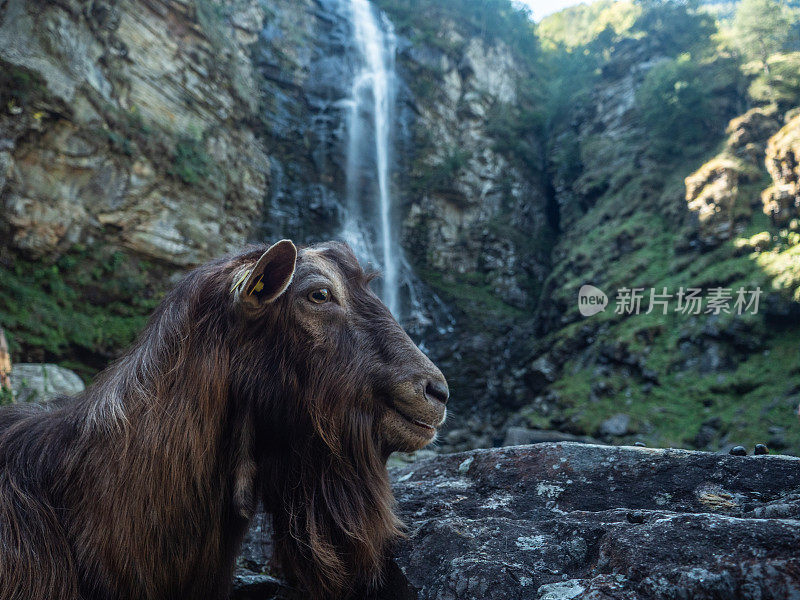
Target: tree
x=681, y=103
x=761, y=28
x=781, y=84
x=675, y=26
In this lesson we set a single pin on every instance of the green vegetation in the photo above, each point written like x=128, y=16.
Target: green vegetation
x=671, y=372
x=472, y=294
x=779, y=83
x=87, y=305
x=515, y=131
x=672, y=388
x=119, y=143
x=779, y=258
x=19, y=86
x=679, y=96
x=674, y=27
x=580, y=25
x=440, y=175
x=6, y=396
x=673, y=385
x=677, y=102
x=489, y=19
x=761, y=29
x=766, y=35
x=748, y=400
x=189, y=160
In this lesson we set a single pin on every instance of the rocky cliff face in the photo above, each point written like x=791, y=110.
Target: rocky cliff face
x=125, y=123
x=474, y=225
x=631, y=218
x=782, y=198
x=476, y=213
x=562, y=521
x=477, y=224
x=157, y=136
x=305, y=76
x=718, y=193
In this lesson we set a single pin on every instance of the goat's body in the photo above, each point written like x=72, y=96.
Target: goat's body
x=35, y=556
x=240, y=387
x=96, y=514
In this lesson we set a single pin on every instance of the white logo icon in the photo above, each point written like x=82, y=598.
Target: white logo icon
x=591, y=300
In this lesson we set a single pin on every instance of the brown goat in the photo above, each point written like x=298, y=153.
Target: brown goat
x=272, y=374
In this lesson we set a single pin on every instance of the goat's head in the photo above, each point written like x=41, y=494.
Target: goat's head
x=354, y=370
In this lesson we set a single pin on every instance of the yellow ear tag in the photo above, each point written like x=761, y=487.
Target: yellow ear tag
x=258, y=286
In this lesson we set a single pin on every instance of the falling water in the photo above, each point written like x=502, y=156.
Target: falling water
x=370, y=231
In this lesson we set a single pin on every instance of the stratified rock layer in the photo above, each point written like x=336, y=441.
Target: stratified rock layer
x=126, y=122
x=560, y=521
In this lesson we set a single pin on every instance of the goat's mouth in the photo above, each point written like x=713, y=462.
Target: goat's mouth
x=416, y=422
x=411, y=422
x=407, y=426
x=420, y=427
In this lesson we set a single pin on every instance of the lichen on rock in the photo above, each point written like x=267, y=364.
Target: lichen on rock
x=625, y=522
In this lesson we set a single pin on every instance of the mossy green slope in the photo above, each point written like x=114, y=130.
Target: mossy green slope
x=80, y=310
x=701, y=380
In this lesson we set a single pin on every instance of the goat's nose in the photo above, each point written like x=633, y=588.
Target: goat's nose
x=437, y=390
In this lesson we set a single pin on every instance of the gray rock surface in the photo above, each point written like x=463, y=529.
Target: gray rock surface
x=566, y=520
x=618, y=424
x=41, y=382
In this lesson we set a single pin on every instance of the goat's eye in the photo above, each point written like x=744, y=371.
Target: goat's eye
x=320, y=296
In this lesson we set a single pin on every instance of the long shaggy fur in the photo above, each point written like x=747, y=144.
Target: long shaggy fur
x=143, y=485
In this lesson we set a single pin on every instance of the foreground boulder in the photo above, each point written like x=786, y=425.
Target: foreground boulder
x=40, y=382
x=567, y=520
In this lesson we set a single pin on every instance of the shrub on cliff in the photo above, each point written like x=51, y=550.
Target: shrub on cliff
x=190, y=162
x=780, y=83
x=488, y=19
x=674, y=27
x=678, y=102
x=760, y=29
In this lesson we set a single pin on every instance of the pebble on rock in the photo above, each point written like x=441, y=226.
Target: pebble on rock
x=738, y=451
x=641, y=444
x=761, y=449
x=635, y=516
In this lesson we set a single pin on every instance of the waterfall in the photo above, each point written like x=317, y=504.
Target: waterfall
x=367, y=228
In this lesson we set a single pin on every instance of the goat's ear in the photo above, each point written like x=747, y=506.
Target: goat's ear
x=269, y=278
